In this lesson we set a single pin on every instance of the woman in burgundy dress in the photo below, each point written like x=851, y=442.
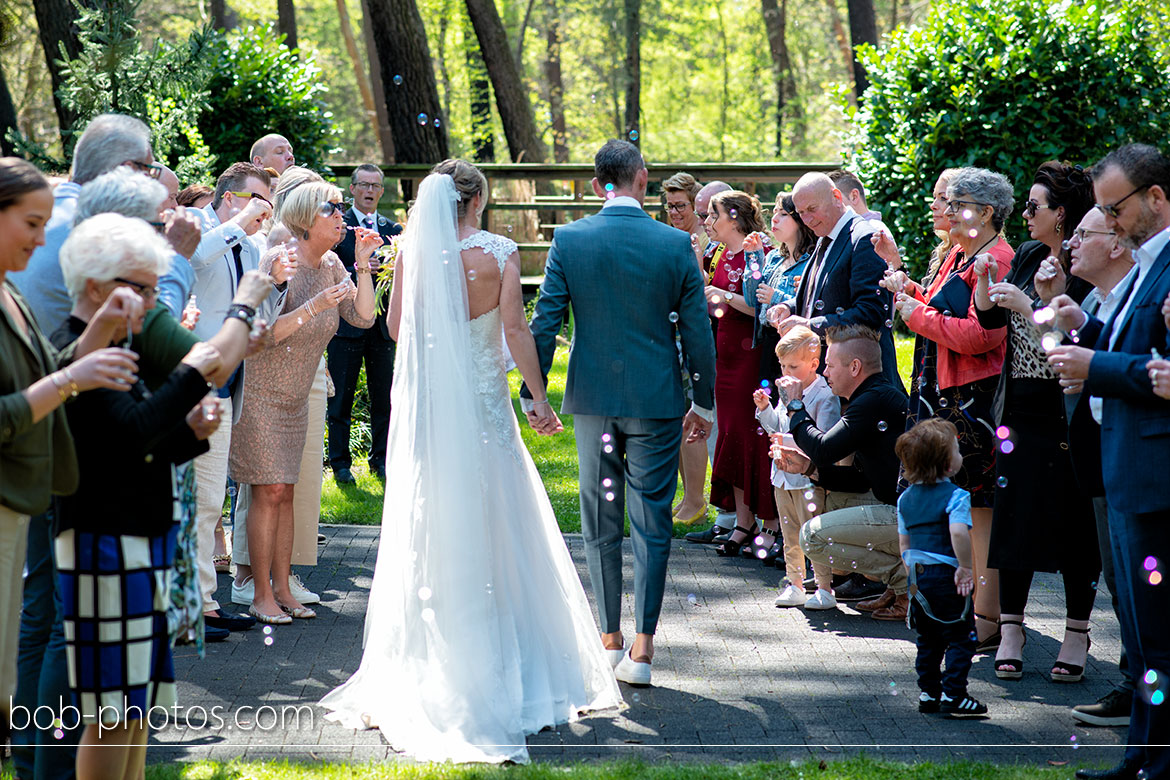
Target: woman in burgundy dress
x=741, y=475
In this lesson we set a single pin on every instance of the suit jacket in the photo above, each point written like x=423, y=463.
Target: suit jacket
x=345, y=251
x=846, y=287
x=1135, y=423
x=627, y=278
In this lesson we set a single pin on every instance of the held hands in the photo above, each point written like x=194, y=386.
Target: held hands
x=254, y=289
x=1160, y=376
x=761, y=399
x=182, y=232
x=964, y=581
x=895, y=281
x=777, y=314
x=190, y=318
x=330, y=297
x=543, y=419
x=1050, y=279
x=792, y=460
x=112, y=368
x=695, y=428
x=204, y=358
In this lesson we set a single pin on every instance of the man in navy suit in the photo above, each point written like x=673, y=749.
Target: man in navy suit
x=840, y=285
x=1132, y=189
x=352, y=345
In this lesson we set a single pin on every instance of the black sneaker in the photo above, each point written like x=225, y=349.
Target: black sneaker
x=927, y=703
x=965, y=707
x=1112, y=709
x=858, y=588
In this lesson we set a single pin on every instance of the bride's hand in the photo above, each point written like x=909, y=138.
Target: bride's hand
x=544, y=420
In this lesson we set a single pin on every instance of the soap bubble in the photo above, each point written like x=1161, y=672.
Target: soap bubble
x=609, y=496
x=422, y=119
x=1002, y=432
x=673, y=316
x=437, y=122
x=633, y=135
x=424, y=593
x=398, y=81
x=882, y=425
x=1002, y=482
x=472, y=274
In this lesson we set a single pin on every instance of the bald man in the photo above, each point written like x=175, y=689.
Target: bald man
x=168, y=179
x=840, y=285
x=273, y=151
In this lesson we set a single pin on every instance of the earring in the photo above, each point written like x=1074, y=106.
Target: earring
x=1059, y=227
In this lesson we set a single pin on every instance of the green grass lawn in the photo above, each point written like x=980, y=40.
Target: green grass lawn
x=862, y=768
x=555, y=457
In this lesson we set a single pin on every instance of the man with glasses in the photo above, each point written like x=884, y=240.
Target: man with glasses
x=351, y=346
x=1132, y=189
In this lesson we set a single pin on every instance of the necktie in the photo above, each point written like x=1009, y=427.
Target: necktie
x=812, y=272
x=236, y=253
x=370, y=222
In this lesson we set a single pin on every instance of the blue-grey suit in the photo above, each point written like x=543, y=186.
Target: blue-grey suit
x=1135, y=449
x=632, y=284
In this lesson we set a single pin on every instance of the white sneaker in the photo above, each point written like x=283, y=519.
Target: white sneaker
x=792, y=596
x=632, y=672
x=615, y=656
x=822, y=599
x=300, y=592
x=244, y=594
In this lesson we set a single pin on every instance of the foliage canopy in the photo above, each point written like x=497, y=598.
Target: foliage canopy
x=1005, y=85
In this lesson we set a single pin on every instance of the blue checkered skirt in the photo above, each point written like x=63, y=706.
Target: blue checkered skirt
x=115, y=593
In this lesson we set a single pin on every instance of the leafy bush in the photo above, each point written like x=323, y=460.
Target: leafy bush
x=258, y=86
x=1006, y=85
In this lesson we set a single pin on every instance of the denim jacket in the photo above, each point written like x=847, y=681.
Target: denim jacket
x=783, y=282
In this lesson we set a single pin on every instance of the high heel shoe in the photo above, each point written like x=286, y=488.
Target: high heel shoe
x=731, y=548
x=1071, y=673
x=700, y=515
x=763, y=541
x=1015, y=666
x=991, y=643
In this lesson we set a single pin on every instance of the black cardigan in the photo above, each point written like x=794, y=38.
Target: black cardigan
x=126, y=444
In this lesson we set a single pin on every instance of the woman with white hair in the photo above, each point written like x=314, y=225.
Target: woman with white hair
x=115, y=565
x=269, y=437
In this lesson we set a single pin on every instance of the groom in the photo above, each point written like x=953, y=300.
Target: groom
x=632, y=283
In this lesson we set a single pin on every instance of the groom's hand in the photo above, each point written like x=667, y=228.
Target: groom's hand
x=544, y=420
x=695, y=428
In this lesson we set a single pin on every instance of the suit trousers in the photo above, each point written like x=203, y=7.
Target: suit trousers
x=857, y=533
x=627, y=461
x=345, y=356
x=211, y=473
x=306, y=495
x=1145, y=633
x=1101, y=512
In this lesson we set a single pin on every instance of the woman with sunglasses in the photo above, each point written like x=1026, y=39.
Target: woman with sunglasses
x=269, y=438
x=1041, y=520
x=957, y=360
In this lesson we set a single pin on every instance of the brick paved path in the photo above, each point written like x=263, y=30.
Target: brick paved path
x=736, y=679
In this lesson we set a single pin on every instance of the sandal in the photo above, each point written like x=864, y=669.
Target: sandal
x=223, y=563
x=761, y=543
x=1070, y=673
x=731, y=547
x=990, y=643
x=1015, y=666
x=298, y=613
x=272, y=620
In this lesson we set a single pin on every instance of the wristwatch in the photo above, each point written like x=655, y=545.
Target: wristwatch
x=795, y=406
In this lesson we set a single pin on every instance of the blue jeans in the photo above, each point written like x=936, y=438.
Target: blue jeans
x=1141, y=611
x=41, y=673
x=953, y=641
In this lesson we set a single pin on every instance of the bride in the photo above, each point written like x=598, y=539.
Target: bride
x=477, y=630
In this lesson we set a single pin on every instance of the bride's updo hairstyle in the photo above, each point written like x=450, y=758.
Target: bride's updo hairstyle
x=469, y=182
x=743, y=209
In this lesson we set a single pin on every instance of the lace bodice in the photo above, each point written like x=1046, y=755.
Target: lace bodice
x=487, y=350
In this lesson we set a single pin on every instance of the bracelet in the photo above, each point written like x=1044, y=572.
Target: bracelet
x=361, y=270
x=239, y=311
x=62, y=393
x=545, y=401
x=74, y=390
x=309, y=308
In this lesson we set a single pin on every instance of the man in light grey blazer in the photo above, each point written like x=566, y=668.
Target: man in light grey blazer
x=632, y=284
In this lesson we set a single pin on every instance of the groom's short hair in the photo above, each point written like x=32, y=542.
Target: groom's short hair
x=617, y=163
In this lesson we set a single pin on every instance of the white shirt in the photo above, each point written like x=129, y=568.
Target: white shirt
x=1145, y=257
x=1109, y=303
x=822, y=406
x=621, y=200
x=363, y=217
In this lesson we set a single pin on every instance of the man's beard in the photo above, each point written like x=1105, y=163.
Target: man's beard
x=1147, y=225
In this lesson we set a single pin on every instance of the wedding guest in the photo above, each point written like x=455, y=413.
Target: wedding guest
x=780, y=270
x=269, y=437
x=797, y=499
x=137, y=436
x=272, y=151
x=741, y=474
x=708, y=251
x=170, y=181
x=37, y=456
x=1033, y=431
x=957, y=361
x=352, y=347
x=196, y=196
x=678, y=198
x=934, y=536
x=854, y=193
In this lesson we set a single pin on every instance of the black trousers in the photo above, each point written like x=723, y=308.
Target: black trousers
x=344, y=358
x=952, y=642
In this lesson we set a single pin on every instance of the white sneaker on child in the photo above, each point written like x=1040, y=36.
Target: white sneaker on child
x=791, y=596
x=822, y=599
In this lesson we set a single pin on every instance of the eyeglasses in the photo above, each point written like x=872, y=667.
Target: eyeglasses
x=701, y=215
x=1112, y=211
x=1080, y=234
x=145, y=290
x=953, y=205
x=255, y=195
x=680, y=207
x=153, y=170
x=1031, y=207
x=329, y=207
x=367, y=185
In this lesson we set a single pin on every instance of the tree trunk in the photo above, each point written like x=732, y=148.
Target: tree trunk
x=483, y=139
x=556, y=83
x=511, y=97
x=775, y=21
x=520, y=37
x=359, y=73
x=379, y=94
x=444, y=71
x=7, y=116
x=893, y=15
x=57, y=28
x=219, y=18
x=839, y=34
x=633, y=70
x=286, y=22
x=401, y=41
x=862, y=29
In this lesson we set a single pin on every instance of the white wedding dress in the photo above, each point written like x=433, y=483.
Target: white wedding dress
x=478, y=631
